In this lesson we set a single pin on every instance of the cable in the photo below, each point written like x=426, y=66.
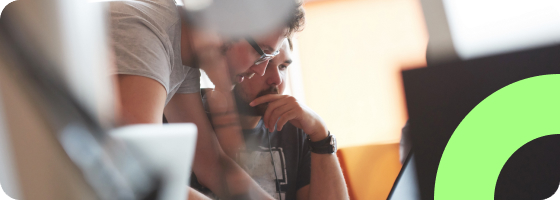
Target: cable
x=273, y=165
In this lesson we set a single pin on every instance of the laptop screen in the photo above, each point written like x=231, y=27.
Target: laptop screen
x=406, y=185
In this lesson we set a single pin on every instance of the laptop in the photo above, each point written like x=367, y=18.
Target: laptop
x=406, y=184
x=465, y=68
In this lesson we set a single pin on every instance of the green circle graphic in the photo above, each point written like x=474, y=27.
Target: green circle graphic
x=492, y=132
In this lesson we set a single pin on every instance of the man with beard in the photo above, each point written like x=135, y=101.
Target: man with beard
x=290, y=151
x=156, y=57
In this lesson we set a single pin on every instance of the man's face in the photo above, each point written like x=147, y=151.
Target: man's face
x=241, y=56
x=271, y=83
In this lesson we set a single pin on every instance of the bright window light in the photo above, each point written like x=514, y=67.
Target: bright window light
x=486, y=27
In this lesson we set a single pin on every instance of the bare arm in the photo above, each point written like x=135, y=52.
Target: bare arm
x=225, y=120
x=327, y=181
x=141, y=101
x=222, y=105
x=212, y=166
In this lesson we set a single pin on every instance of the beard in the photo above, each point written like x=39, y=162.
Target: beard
x=244, y=108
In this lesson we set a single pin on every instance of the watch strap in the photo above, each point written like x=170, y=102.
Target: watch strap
x=324, y=146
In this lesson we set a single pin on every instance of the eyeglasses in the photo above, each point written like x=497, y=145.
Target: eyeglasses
x=264, y=57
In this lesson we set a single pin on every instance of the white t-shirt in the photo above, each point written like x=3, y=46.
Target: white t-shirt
x=146, y=37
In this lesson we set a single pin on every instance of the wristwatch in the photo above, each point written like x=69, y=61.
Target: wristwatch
x=324, y=146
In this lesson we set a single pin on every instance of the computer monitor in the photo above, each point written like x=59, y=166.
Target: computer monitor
x=440, y=96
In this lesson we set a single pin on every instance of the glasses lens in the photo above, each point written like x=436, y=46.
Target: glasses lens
x=264, y=57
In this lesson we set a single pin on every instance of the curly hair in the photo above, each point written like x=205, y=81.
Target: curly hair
x=296, y=21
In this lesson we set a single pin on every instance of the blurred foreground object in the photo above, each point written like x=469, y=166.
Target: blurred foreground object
x=168, y=149
x=238, y=18
x=56, y=101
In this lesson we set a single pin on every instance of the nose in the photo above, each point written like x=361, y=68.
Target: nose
x=260, y=69
x=273, y=76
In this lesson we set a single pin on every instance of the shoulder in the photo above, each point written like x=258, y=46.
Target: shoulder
x=143, y=5
x=143, y=34
x=163, y=13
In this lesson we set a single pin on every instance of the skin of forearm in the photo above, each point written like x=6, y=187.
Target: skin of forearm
x=228, y=132
x=225, y=119
x=327, y=181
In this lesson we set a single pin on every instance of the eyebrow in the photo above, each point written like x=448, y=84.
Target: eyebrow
x=288, y=61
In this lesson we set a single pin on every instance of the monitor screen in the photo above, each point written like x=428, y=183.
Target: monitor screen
x=406, y=185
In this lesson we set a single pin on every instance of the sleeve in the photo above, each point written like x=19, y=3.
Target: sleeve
x=191, y=84
x=304, y=172
x=137, y=46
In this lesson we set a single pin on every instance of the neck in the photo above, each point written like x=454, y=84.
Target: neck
x=249, y=122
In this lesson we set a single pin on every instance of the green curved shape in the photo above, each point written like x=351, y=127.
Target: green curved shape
x=492, y=132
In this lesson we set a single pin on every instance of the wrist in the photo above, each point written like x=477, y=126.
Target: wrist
x=325, y=146
x=319, y=135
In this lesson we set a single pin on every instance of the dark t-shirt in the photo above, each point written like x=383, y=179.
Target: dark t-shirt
x=292, y=160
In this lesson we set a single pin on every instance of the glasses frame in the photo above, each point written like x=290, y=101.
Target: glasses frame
x=264, y=56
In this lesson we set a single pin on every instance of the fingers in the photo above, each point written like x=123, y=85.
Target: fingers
x=287, y=116
x=266, y=98
x=276, y=113
x=279, y=111
x=268, y=121
x=276, y=109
